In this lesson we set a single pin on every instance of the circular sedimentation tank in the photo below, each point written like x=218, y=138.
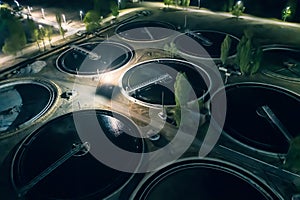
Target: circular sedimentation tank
x=281, y=62
x=63, y=164
x=23, y=102
x=203, y=179
x=254, y=109
x=94, y=58
x=152, y=82
x=188, y=44
x=145, y=31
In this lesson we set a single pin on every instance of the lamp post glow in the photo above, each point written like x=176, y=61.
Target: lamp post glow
x=286, y=13
x=64, y=18
x=43, y=13
x=17, y=3
x=81, y=14
x=119, y=3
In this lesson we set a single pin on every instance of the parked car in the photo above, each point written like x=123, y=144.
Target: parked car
x=81, y=33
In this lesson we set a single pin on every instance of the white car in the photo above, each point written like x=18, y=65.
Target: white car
x=81, y=33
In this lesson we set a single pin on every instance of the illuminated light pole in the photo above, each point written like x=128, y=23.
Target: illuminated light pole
x=64, y=18
x=29, y=11
x=119, y=3
x=17, y=3
x=81, y=14
x=43, y=13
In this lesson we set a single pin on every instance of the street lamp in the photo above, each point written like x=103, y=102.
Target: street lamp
x=81, y=14
x=199, y=3
x=17, y=3
x=119, y=3
x=43, y=13
x=64, y=18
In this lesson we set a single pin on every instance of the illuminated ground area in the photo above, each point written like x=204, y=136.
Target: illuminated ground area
x=88, y=95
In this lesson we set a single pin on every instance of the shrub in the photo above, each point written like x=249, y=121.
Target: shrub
x=225, y=47
x=238, y=9
x=248, y=57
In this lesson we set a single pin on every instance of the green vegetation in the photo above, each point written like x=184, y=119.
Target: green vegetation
x=14, y=43
x=168, y=2
x=293, y=7
x=185, y=3
x=286, y=13
x=182, y=89
x=59, y=22
x=36, y=37
x=49, y=33
x=114, y=9
x=182, y=92
x=12, y=37
x=42, y=35
x=225, y=47
x=248, y=56
x=92, y=20
x=238, y=9
x=171, y=49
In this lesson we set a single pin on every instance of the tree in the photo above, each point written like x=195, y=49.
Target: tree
x=293, y=7
x=42, y=35
x=286, y=13
x=225, y=47
x=6, y=18
x=92, y=20
x=248, y=56
x=114, y=9
x=59, y=22
x=182, y=90
x=168, y=2
x=185, y=3
x=238, y=9
x=16, y=39
x=171, y=49
x=48, y=34
x=31, y=26
x=14, y=43
x=36, y=37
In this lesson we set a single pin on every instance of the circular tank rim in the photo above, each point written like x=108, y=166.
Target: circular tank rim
x=93, y=74
x=145, y=41
x=114, y=113
x=51, y=87
x=204, y=58
x=254, y=180
x=227, y=135
x=280, y=47
x=150, y=105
